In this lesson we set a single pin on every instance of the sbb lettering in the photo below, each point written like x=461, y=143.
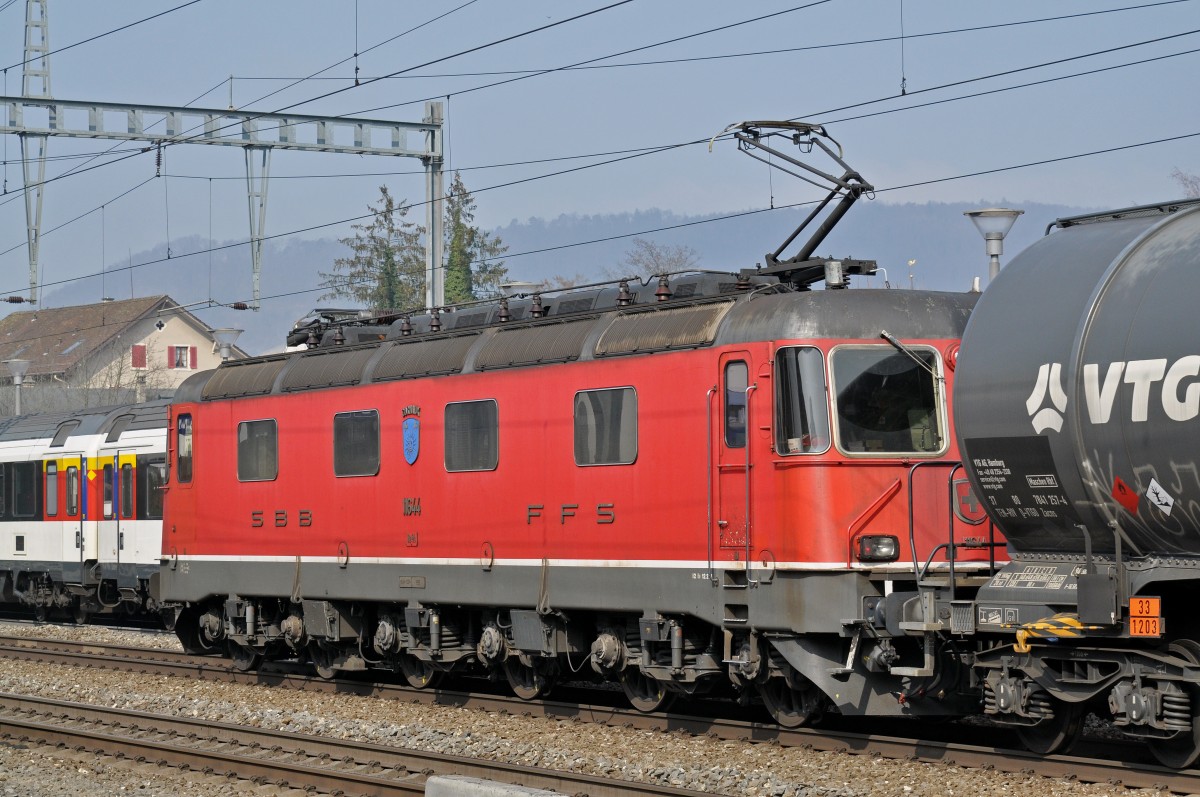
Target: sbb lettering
x=605, y=514
x=304, y=518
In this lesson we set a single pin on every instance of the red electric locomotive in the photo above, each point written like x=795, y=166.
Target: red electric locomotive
x=710, y=481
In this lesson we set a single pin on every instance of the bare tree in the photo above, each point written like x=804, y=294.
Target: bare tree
x=647, y=257
x=1189, y=182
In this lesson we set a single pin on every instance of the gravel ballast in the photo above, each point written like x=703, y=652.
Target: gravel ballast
x=712, y=765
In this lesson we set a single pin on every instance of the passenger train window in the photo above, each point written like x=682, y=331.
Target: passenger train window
x=119, y=426
x=606, y=426
x=62, y=433
x=183, y=447
x=801, y=406
x=886, y=402
x=151, y=479
x=51, y=489
x=25, y=487
x=737, y=377
x=356, y=443
x=108, y=492
x=257, y=451
x=127, y=490
x=72, y=490
x=472, y=436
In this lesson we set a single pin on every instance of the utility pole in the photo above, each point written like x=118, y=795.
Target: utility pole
x=257, y=133
x=35, y=85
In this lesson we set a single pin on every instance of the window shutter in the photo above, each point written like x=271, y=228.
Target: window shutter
x=170, y=356
x=192, y=357
x=138, y=355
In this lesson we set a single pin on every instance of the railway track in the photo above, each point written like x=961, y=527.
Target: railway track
x=968, y=746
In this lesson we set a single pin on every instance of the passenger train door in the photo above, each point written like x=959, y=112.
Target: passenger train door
x=731, y=518
x=66, y=510
x=114, y=472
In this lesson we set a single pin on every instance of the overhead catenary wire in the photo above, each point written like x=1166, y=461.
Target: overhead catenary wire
x=99, y=36
x=665, y=228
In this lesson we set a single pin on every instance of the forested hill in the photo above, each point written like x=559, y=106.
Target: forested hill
x=948, y=251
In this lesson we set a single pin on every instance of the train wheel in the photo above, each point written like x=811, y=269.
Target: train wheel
x=528, y=681
x=790, y=708
x=1057, y=734
x=243, y=658
x=79, y=614
x=645, y=693
x=1182, y=750
x=419, y=674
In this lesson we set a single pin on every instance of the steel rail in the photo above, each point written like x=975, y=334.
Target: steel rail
x=282, y=758
x=971, y=746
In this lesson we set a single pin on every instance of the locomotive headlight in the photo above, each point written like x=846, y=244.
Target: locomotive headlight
x=878, y=548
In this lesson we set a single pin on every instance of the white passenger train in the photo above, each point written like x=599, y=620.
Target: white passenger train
x=81, y=496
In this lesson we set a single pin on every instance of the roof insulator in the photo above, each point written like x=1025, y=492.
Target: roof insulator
x=312, y=341
x=624, y=297
x=435, y=320
x=339, y=338
x=743, y=282
x=535, y=309
x=406, y=327
x=504, y=314
x=664, y=289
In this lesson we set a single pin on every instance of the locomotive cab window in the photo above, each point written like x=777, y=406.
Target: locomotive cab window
x=606, y=426
x=183, y=448
x=257, y=451
x=472, y=436
x=886, y=402
x=356, y=443
x=801, y=406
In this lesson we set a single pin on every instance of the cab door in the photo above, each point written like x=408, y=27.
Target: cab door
x=732, y=521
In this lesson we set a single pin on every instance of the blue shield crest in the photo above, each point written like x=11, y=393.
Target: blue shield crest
x=412, y=439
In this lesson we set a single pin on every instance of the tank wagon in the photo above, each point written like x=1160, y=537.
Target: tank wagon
x=81, y=498
x=1076, y=407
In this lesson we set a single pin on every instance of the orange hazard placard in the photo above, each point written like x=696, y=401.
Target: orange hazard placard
x=1145, y=616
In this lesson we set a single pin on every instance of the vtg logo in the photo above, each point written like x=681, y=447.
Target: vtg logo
x=1174, y=383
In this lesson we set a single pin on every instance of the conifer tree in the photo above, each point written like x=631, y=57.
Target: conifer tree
x=386, y=267
x=472, y=268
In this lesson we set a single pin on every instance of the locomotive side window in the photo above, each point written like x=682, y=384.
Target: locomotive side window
x=801, y=407
x=472, y=436
x=183, y=447
x=606, y=426
x=737, y=376
x=258, y=451
x=72, y=490
x=23, y=479
x=356, y=443
x=151, y=479
x=51, y=489
x=886, y=402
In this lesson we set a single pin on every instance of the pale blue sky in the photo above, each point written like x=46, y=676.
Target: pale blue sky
x=175, y=59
